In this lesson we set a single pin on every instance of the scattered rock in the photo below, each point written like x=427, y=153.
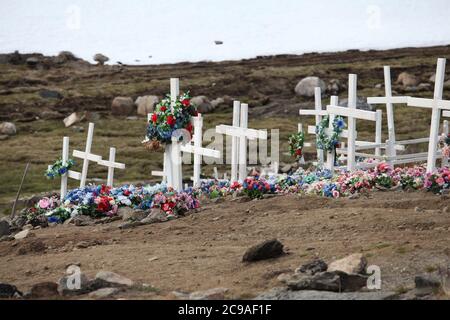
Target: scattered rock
x=8, y=128
x=334, y=87
x=146, y=104
x=203, y=104
x=64, y=57
x=156, y=215
x=104, y=293
x=131, y=224
x=355, y=263
x=407, y=80
x=424, y=87
x=50, y=94
x=4, y=228
x=100, y=59
x=211, y=294
x=44, y=290
x=427, y=284
x=217, y=102
x=325, y=281
x=352, y=282
x=419, y=210
x=128, y=213
x=32, y=62
x=82, y=221
x=266, y=250
x=306, y=87
x=110, y=279
x=22, y=234
x=8, y=291
x=74, y=284
x=82, y=245
x=313, y=267
x=122, y=106
x=286, y=294
x=379, y=86
x=72, y=119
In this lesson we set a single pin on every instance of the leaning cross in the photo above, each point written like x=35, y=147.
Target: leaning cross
x=111, y=164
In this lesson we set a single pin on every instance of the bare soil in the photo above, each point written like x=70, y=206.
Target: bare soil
x=204, y=250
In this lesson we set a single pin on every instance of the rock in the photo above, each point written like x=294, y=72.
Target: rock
x=424, y=87
x=361, y=104
x=92, y=116
x=306, y=87
x=6, y=238
x=82, y=245
x=419, y=210
x=110, y=279
x=146, y=104
x=64, y=57
x=8, y=291
x=50, y=94
x=131, y=224
x=325, y=281
x=4, y=228
x=217, y=102
x=128, y=213
x=334, y=87
x=407, y=80
x=432, y=78
x=104, y=293
x=72, y=119
x=286, y=294
x=286, y=168
x=379, y=86
x=266, y=250
x=100, y=59
x=4, y=137
x=122, y=106
x=313, y=267
x=218, y=42
x=82, y=221
x=74, y=284
x=8, y=128
x=22, y=234
x=427, y=284
x=447, y=84
x=352, y=282
x=211, y=294
x=32, y=61
x=44, y=290
x=156, y=215
x=355, y=263
x=202, y=103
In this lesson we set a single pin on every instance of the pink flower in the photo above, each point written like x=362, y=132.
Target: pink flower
x=44, y=203
x=335, y=194
x=440, y=181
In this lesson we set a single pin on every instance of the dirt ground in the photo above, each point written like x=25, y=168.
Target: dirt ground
x=204, y=250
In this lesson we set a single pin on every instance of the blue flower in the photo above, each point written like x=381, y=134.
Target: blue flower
x=62, y=170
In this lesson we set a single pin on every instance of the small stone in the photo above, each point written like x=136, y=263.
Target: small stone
x=8, y=128
x=128, y=213
x=4, y=228
x=22, y=234
x=72, y=119
x=82, y=221
x=50, y=94
x=82, y=245
x=156, y=215
x=111, y=279
x=153, y=259
x=266, y=250
x=104, y=293
x=211, y=294
x=44, y=290
x=427, y=284
x=313, y=267
x=418, y=210
x=355, y=263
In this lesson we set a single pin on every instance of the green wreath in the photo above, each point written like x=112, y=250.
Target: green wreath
x=324, y=142
x=59, y=168
x=296, y=142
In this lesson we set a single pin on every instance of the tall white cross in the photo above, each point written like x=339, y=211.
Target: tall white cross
x=86, y=155
x=197, y=149
x=436, y=104
x=352, y=114
x=242, y=133
x=111, y=164
x=319, y=114
x=390, y=101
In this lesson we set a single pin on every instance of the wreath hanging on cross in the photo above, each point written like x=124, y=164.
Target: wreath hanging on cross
x=296, y=142
x=325, y=142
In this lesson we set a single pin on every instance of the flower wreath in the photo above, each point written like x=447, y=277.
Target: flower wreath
x=59, y=168
x=167, y=119
x=324, y=142
x=296, y=142
x=444, y=143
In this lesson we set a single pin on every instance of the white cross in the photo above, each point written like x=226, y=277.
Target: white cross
x=241, y=133
x=436, y=104
x=86, y=155
x=197, y=149
x=389, y=100
x=352, y=114
x=111, y=164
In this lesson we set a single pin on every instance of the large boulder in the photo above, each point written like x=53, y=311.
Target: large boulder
x=107, y=279
x=8, y=291
x=100, y=59
x=146, y=104
x=407, y=80
x=307, y=86
x=202, y=103
x=64, y=57
x=44, y=290
x=122, y=106
x=266, y=250
x=355, y=263
x=8, y=128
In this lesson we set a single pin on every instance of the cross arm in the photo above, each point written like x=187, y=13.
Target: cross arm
x=116, y=165
x=84, y=155
x=352, y=113
x=344, y=133
x=201, y=151
x=251, y=134
x=304, y=112
x=393, y=100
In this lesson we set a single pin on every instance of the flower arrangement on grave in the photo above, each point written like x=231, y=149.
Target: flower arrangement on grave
x=59, y=168
x=325, y=142
x=444, y=143
x=296, y=142
x=438, y=181
x=168, y=118
x=256, y=187
x=175, y=204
